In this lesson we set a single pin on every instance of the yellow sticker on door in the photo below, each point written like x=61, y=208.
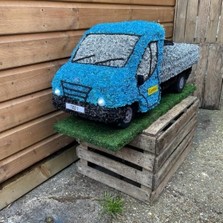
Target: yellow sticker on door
x=152, y=89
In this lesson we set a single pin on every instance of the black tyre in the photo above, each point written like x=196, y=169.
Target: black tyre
x=129, y=114
x=179, y=85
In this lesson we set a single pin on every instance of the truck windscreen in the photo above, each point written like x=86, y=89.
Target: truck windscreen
x=105, y=49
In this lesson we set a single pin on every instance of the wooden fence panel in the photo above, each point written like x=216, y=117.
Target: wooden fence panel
x=23, y=136
x=213, y=77
x=22, y=50
x=201, y=22
x=18, y=111
x=20, y=161
x=57, y=16
x=36, y=38
x=129, y=2
x=26, y=80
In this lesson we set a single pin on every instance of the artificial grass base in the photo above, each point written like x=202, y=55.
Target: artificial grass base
x=114, y=139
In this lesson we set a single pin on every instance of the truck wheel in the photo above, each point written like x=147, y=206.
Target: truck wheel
x=125, y=122
x=179, y=84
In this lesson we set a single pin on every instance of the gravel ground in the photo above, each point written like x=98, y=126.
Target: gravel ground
x=194, y=194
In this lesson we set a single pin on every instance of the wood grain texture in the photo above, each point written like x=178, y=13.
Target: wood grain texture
x=26, y=80
x=18, y=111
x=35, y=17
x=168, y=165
x=180, y=19
x=23, y=136
x=170, y=117
x=191, y=18
x=155, y=194
x=201, y=72
x=143, y=159
x=213, y=80
x=23, y=50
x=202, y=22
x=27, y=157
x=24, y=182
x=113, y=182
x=128, y=2
x=212, y=27
x=114, y=166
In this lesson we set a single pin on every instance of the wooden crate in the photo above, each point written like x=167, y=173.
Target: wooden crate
x=143, y=168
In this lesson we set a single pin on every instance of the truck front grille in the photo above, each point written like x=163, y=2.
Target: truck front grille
x=75, y=91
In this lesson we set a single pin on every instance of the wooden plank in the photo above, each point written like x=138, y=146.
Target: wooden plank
x=215, y=12
x=180, y=20
x=27, y=157
x=156, y=127
x=29, y=49
x=190, y=28
x=155, y=194
x=202, y=22
x=144, y=142
x=142, y=159
x=158, y=14
x=169, y=135
x=73, y=16
x=23, y=136
x=22, y=81
x=201, y=72
x=132, y=2
x=114, y=166
x=21, y=110
x=168, y=30
x=220, y=29
x=26, y=181
x=167, y=151
x=113, y=182
x=213, y=80
x=160, y=175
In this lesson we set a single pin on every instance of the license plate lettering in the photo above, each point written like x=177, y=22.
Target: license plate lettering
x=75, y=108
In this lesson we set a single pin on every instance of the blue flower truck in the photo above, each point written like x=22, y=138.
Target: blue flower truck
x=118, y=69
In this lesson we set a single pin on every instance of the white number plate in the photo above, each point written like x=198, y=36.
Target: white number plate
x=75, y=108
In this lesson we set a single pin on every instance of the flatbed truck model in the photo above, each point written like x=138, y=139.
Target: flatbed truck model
x=118, y=69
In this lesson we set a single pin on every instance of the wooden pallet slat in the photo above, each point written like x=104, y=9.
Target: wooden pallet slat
x=143, y=159
x=112, y=181
x=114, y=166
x=160, y=175
x=166, y=119
x=155, y=194
x=117, y=169
x=169, y=136
x=167, y=151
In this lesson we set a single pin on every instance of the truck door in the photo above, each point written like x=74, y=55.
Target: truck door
x=147, y=78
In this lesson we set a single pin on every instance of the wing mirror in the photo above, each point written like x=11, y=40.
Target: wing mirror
x=140, y=79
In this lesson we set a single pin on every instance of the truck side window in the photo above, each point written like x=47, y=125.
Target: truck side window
x=148, y=62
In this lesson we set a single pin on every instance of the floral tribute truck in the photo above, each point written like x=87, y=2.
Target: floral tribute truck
x=118, y=69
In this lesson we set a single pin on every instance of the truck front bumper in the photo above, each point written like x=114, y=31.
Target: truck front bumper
x=89, y=111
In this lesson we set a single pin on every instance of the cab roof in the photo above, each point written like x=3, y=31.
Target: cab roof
x=129, y=27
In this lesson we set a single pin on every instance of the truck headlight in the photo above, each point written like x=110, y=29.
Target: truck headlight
x=101, y=102
x=57, y=92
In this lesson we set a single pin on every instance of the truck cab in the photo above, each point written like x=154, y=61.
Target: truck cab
x=112, y=73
